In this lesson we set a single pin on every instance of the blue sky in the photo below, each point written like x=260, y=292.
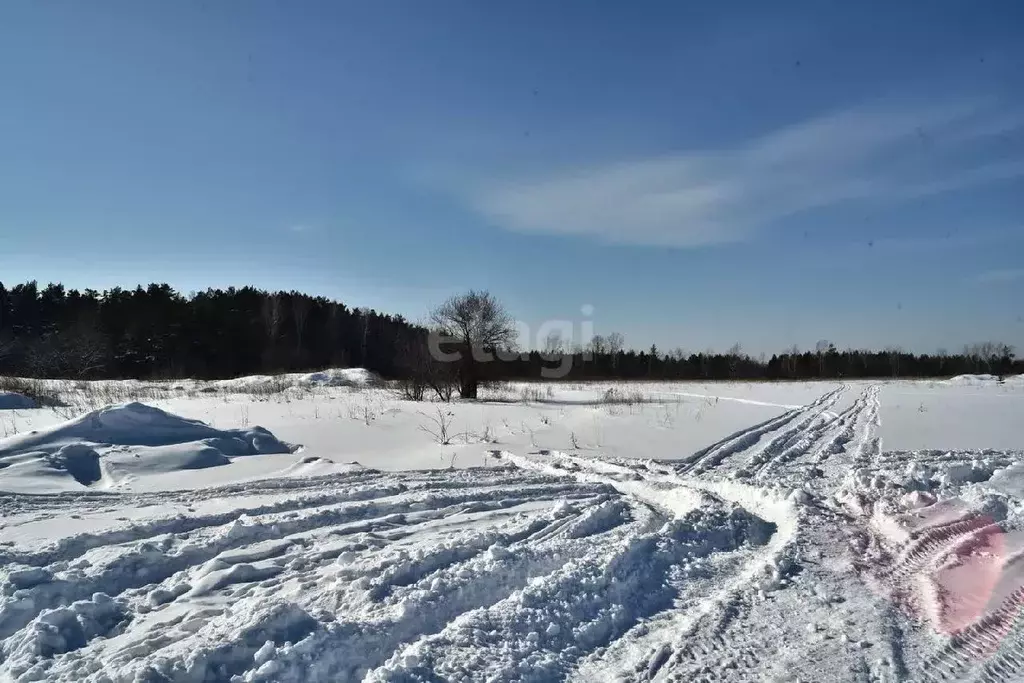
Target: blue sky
x=699, y=173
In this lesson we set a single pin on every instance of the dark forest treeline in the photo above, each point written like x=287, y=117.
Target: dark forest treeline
x=156, y=332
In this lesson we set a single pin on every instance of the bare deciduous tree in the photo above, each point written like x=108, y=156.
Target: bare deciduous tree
x=989, y=355
x=894, y=353
x=477, y=324
x=735, y=354
x=553, y=345
x=615, y=342
x=77, y=352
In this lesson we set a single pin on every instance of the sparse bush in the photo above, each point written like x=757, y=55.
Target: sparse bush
x=364, y=412
x=265, y=389
x=413, y=389
x=530, y=395
x=440, y=426
x=43, y=393
x=666, y=419
x=487, y=436
x=533, y=436
x=423, y=372
x=614, y=396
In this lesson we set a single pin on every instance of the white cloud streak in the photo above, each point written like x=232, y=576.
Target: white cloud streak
x=727, y=195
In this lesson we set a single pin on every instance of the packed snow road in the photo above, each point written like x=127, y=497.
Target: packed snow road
x=794, y=548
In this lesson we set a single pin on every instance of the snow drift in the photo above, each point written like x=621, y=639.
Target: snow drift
x=332, y=377
x=983, y=379
x=120, y=442
x=340, y=377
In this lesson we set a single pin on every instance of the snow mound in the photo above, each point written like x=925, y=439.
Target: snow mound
x=332, y=377
x=973, y=379
x=244, y=383
x=65, y=629
x=340, y=377
x=122, y=442
x=12, y=401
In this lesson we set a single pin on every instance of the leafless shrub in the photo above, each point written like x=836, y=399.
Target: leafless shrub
x=42, y=392
x=413, y=389
x=665, y=418
x=440, y=425
x=533, y=435
x=264, y=390
x=614, y=396
x=424, y=372
x=79, y=352
x=365, y=412
x=488, y=436
x=573, y=441
x=530, y=395
x=10, y=428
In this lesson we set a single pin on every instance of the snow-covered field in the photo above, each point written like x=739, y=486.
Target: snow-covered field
x=319, y=528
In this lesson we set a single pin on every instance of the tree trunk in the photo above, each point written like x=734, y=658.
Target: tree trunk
x=468, y=373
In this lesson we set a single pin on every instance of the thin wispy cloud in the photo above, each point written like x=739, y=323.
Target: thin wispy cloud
x=880, y=154
x=299, y=228
x=1000, y=276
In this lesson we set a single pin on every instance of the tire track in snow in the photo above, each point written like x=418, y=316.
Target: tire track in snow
x=710, y=456
x=717, y=640
x=797, y=436
x=824, y=432
x=661, y=643
x=869, y=444
x=351, y=645
x=147, y=574
x=846, y=433
x=146, y=563
x=321, y=491
x=591, y=604
x=990, y=650
x=863, y=414
x=783, y=427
